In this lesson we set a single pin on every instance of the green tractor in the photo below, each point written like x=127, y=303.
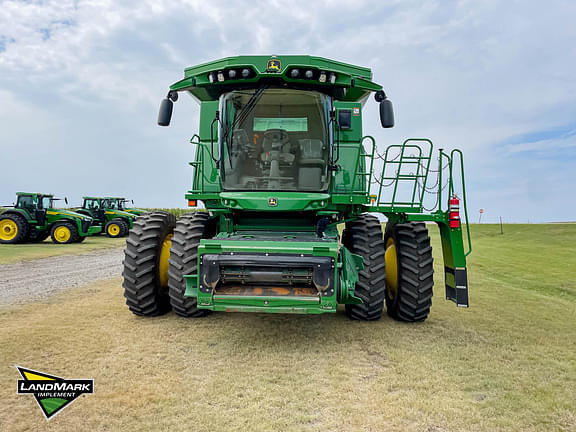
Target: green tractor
x=290, y=225
x=118, y=203
x=106, y=215
x=34, y=218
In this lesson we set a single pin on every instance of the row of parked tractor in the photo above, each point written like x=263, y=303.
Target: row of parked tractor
x=35, y=217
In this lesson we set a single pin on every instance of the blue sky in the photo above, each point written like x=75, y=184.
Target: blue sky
x=80, y=84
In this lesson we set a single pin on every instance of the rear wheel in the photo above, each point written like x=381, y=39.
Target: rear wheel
x=364, y=237
x=409, y=271
x=64, y=232
x=146, y=264
x=190, y=228
x=13, y=229
x=113, y=228
x=124, y=228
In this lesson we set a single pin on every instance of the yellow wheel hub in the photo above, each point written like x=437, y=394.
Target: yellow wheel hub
x=391, y=259
x=62, y=234
x=8, y=229
x=163, y=261
x=113, y=229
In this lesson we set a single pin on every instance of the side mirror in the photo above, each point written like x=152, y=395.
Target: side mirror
x=66, y=200
x=165, y=113
x=386, y=114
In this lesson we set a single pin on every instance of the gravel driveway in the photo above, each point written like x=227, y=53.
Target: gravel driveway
x=41, y=278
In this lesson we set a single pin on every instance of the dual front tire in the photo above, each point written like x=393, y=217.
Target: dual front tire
x=159, y=252
x=398, y=269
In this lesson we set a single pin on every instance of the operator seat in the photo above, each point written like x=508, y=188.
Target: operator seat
x=312, y=163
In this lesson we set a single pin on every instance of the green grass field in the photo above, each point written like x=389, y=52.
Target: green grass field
x=506, y=364
x=10, y=253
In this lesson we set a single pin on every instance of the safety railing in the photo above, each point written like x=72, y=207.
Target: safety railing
x=404, y=169
x=197, y=165
x=451, y=189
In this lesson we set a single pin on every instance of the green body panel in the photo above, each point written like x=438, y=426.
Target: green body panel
x=269, y=221
x=42, y=219
x=278, y=304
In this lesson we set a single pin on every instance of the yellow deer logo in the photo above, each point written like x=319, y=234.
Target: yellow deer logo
x=273, y=65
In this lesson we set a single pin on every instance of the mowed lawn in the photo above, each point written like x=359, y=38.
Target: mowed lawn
x=506, y=364
x=11, y=253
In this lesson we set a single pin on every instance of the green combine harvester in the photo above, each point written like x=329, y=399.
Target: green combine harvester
x=34, y=217
x=118, y=203
x=281, y=163
x=106, y=215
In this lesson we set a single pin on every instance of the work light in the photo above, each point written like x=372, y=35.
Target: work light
x=220, y=76
x=211, y=77
x=232, y=74
x=308, y=74
x=322, y=77
x=295, y=73
x=332, y=77
x=245, y=73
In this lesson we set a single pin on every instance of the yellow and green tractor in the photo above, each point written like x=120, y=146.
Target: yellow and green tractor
x=34, y=217
x=105, y=214
x=119, y=203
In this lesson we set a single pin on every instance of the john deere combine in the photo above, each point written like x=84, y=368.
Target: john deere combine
x=106, y=215
x=280, y=163
x=34, y=218
x=118, y=203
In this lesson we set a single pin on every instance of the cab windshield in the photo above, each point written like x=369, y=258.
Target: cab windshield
x=275, y=139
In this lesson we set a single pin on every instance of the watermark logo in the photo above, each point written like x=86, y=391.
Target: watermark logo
x=52, y=393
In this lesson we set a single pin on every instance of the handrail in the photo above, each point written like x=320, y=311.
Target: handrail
x=459, y=152
x=368, y=173
x=198, y=163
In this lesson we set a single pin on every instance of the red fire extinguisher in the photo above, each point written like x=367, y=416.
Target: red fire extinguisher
x=454, y=212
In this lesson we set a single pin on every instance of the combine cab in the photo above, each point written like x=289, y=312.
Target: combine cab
x=290, y=225
x=34, y=218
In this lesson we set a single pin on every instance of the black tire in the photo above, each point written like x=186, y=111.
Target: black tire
x=364, y=237
x=71, y=227
x=37, y=236
x=22, y=229
x=414, y=279
x=190, y=228
x=124, y=228
x=80, y=239
x=145, y=295
x=115, y=225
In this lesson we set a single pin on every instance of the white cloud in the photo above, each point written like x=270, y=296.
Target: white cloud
x=468, y=74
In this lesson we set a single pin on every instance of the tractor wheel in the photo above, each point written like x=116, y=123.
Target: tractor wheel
x=13, y=229
x=190, y=228
x=80, y=239
x=125, y=227
x=146, y=264
x=114, y=228
x=63, y=232
x=37, y=236
x=409, y=271
x=364, y=237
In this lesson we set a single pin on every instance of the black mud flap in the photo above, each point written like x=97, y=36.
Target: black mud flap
x=457, y=286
